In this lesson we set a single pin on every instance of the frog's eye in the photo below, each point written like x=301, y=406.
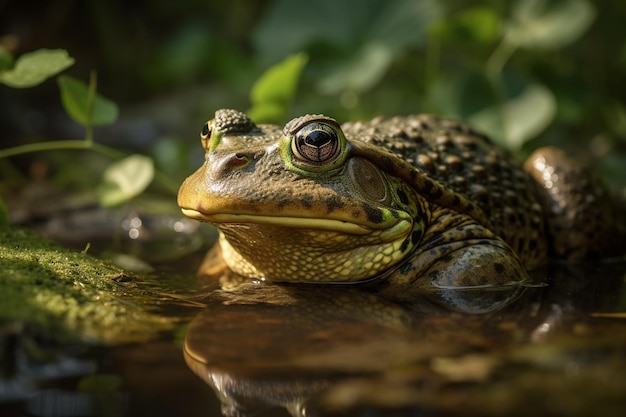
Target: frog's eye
x=206, y=130
x=205, y=135
x=316, y=144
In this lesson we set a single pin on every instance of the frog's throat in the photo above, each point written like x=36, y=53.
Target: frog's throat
x=283, y=254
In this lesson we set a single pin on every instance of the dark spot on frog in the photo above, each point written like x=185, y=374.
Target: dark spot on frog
x=406, y=267
x=498, y=267
x=428, y=186
x=307, y=200
x=446, y=259
x=405, y=244
x=373, y=214
x=436, y=194
x=404, y=199
x=415, y=237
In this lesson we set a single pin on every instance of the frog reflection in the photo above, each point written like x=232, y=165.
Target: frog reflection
x=303, y=348
x=266, y=345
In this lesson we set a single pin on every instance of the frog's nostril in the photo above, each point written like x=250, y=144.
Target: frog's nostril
x=233, y=163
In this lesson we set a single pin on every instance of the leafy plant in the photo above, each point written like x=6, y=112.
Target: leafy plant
x=474, y=61
x=33, y=68
x=127, y=176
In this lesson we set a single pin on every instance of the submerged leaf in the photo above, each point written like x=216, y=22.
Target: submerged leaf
x=75, y=97
x=125, y=179
x=35, y=67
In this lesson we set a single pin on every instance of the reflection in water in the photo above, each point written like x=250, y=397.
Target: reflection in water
x=340, y=350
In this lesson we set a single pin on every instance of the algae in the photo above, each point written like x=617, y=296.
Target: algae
x=70, y=297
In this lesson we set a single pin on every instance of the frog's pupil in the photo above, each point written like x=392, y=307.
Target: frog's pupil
x=205, y=129
x=317, y=146
x=318, y=138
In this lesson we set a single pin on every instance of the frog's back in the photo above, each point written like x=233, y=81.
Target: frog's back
x=468, y=164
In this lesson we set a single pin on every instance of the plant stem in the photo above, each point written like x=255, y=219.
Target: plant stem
x=93, y=83
x=494, y=67
x=499, y=57
x=59, y=145
x=433, y=56
x=166, y=182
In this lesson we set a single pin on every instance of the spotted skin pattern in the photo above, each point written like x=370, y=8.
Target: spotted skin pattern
x=444, y=207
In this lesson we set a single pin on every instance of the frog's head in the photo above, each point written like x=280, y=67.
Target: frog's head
x=296, y=204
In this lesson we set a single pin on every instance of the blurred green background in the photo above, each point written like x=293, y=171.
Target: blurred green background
x=528, y=72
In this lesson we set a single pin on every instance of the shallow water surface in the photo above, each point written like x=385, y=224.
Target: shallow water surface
x=295, y=350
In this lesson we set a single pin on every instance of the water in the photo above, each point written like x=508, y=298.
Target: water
x=342, y=350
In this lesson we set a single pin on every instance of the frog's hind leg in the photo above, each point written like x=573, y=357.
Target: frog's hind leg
x=584, y=219
x=461, y=265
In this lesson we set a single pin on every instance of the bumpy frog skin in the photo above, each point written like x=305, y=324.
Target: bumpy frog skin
x=416, y=201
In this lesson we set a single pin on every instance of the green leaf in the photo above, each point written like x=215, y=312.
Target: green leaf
x=549, y=24
x=6, y=60
x=125, y=179
x=528, y=108
x=75, y=96
x=518, y=113
x=478, y=25
x=291, y=26
x=269, y=112
x=359, y=73
x=35, y=67
x=276, y=88
x=347, y=38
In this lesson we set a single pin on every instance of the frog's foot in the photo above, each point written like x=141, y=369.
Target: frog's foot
x=214, y=273
x=475, y=276
x=479, y=264
x=584, y=220
x=465, y=268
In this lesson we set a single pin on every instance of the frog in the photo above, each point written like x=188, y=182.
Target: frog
x=416, y=202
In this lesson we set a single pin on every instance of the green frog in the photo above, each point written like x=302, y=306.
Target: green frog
x=415, y=202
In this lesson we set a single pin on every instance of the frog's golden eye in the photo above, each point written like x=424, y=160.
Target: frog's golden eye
x=316, y=144
x=206, y=130
x=205, y=135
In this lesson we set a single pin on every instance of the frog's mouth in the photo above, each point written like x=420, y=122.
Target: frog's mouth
x=385, y=232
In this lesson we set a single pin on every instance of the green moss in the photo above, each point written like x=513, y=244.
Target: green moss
x=69, y=296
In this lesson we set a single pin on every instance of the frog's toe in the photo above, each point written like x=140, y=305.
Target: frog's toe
x=480, y=278
x=487, y=264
